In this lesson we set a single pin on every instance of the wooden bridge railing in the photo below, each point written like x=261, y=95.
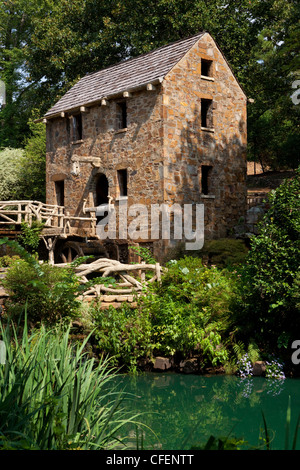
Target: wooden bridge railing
x=53, y=216
x=255, y=198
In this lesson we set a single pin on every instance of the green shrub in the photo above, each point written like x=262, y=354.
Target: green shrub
x=30, y=235
x=186, y=313
x=189, y=310
x=209, y=288
x=224, y=252
x=269, y=304
x=8, y=260
x=179, y=328
x=123, y=333
x=11, y=161
x=49, y=292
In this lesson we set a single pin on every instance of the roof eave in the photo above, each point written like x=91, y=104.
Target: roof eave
x=89, y=104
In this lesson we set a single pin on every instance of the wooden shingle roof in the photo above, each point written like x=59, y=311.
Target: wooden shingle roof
x=124, y=76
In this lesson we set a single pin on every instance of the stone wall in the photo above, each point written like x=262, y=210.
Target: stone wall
x=104, y=149
x=221, y=147
x=163, y=146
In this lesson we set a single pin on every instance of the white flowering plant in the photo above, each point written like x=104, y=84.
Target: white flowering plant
x=244, y=365
x=274, y=369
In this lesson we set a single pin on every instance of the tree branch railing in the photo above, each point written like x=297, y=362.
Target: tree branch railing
x=53, y=216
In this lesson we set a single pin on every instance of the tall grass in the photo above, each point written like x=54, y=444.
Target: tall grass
x=54, y=397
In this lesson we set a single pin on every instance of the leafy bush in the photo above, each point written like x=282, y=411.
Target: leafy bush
x=269, y=297
x=210, y=289
x=123, y=333
x=189, y=310
x=11, y=173
x=22, y=171
x=184, y=314
x=30, y=235
x=33, y=179
x=49, y=292
x=224, y=252
x=8, y=260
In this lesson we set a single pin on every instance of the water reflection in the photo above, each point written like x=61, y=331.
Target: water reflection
x=184, y=410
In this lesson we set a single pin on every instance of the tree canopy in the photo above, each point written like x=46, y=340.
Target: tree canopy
x=47, y=45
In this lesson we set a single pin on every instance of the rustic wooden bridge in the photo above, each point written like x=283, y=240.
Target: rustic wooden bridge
x=57, y=222
x=130, y=279
x=55, y=219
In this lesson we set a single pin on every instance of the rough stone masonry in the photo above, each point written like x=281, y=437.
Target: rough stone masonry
x=166, y=127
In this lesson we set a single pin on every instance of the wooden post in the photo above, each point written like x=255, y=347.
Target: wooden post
x=143, y=273
x=157, y=271
x=50, y=245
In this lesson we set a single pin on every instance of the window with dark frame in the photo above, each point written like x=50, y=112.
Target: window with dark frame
x=77, y=127
x=206, y=113
x=205, y=179
x=122, y=180
x=206, y=68
x=122, y=114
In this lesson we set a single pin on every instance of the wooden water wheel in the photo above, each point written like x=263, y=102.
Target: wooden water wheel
x=69, y=251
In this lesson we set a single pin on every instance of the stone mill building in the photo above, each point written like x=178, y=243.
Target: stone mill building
x=167, y=127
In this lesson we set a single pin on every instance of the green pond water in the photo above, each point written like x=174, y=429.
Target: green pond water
x=185, y=410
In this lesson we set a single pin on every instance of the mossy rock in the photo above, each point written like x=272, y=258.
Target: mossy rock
x=224, y=252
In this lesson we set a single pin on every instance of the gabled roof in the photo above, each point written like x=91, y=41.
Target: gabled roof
x=124, y=76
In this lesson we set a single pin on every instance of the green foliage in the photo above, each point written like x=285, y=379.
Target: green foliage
x=46, y=46
x=49, y=292
x=30, y=235
x=144, y=253
x=53, y=396
x=224, y=252
x=8, y=260
x=33, y=181
x=124, y=334
x=269, y=295
x=22, y=171
x=189, y=281
x=11, y=173
x=273, y=117
x=189, y=310
x=184, y=314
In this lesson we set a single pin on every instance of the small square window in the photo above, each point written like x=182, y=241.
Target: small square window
x=206, y=68
x=122, y=115
x=122, y=180
x=206, y=113
x=77, y=127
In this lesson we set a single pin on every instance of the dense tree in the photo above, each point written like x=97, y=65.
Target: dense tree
x=274, y=136
x=269, y=305
x=15, y=31
x=46, y=46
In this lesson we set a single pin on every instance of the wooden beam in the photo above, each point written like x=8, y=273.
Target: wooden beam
x=104, y=102
x=127, y=94
x=151, y=87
